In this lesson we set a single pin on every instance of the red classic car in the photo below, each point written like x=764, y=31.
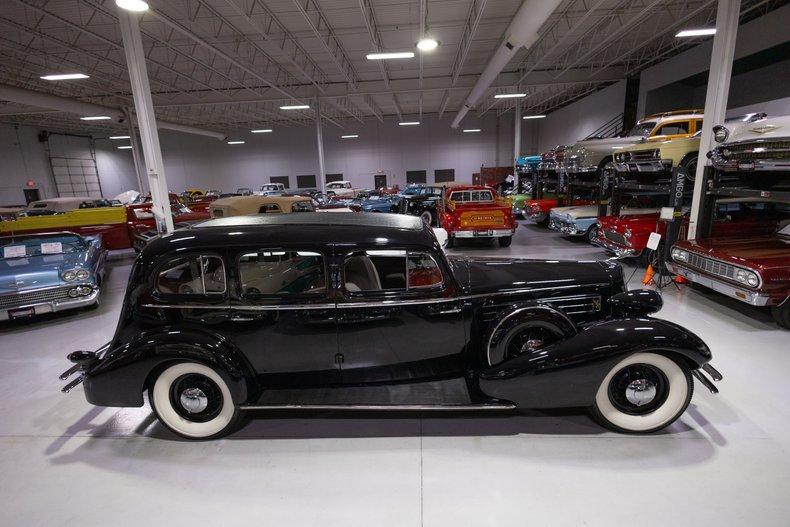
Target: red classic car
x=754, y=269
x=476, y=211
x=628, y=235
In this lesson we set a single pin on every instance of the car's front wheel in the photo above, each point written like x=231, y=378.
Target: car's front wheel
x=643, y=393
x=591, y=234
x=193, y=401
x=505, y=241
x=427, y=217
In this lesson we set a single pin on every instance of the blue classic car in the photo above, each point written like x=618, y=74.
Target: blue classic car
x=581, y=220
x=43, y=273
x=381, y=203
x=527, y=163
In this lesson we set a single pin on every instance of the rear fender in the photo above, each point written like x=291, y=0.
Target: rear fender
x=569, y=372
x=119, y=377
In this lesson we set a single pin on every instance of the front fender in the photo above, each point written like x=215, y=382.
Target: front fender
x=118, y=378
x=520, y=319
x=569, y=372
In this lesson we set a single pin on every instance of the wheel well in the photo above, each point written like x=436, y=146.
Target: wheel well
x=605, y=160
x=689, y=156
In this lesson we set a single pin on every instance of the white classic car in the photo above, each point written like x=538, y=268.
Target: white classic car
x=342, y=189
x=760, y=144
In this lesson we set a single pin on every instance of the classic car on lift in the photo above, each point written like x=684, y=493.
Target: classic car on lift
x=364, y=311
x=44, y=273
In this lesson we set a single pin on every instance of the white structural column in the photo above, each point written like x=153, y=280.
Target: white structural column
x=716, y=97
x=516, y=136
x=139, y=166
x=144, y=108
x=320, y=138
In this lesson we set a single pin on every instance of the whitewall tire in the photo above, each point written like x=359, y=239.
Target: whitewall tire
x=193, y=401
x=643, y=393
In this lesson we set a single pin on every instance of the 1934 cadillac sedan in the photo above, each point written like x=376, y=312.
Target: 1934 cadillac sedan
x=350, y=311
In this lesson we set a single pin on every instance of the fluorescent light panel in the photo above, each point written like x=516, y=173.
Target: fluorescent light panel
x=64, y=76
x=409, y=123
x=351, y=136
x=295, y=107
x=235, y=142
x=533, y=117
x=95, y=118
x=427, y=44
x=471, y=130
x=262, y=131
x=127, y=147
x=137, y=6
x=391, y=55
x=697, y=32
x=116, y=137
x=509, y=95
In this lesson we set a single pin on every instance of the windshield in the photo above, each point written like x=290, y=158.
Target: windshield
x=24, y=246
x=641, y=129
x=472, y=196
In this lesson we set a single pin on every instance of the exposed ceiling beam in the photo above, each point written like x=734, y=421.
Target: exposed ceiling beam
x=375, y=37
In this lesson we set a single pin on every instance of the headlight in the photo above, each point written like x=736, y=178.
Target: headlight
x=656, y=154
x=82, y=274
x=720, y=133
x=680, y=255
x=69, y=275
x=747, y=277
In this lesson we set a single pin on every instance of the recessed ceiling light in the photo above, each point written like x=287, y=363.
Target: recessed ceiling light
x=509, y=95
x=95, y=118
x=64, y=76
x=351, y=136
x=533, y=117
x=115, y=137
x=295, y=107
x=705, y=31
x=471, y=130
x=262, y=131
x=409, y=123
x=235, y=142
x=137, y=6
x=427, y=44
x=392, y=55
x=127, y=147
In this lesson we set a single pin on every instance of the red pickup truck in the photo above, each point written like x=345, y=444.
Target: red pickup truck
x=476, y=211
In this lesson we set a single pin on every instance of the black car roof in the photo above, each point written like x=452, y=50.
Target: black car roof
x=303, y=228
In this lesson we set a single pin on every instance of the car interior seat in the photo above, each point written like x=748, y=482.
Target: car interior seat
x=361, y=274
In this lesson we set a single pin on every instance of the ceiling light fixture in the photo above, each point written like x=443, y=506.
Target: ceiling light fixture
x=295, y=107
x=427, y=44
x=471, y=130
x=64, y=76
x=391, y=55
x=351, y=136
x=116, y=137
x=509, y=95
x=409, y=123
x=235, y=142
x=534, y=117
x=95, y=118
x=262, y=131
x=138, y=6
x=127, y=147
x=703, y=32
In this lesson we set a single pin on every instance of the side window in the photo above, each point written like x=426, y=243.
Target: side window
x=390, y=270
x=194, y=275
x=697, y=125
x=272, y=272
x=271, y=207
x=302, y=206
x=673, y=128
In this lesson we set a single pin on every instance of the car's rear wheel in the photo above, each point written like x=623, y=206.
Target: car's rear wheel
x=591, y=234
x=505, y=241
x=193, y=401
x=643, y=393
x=690, y=164
x=781, y=314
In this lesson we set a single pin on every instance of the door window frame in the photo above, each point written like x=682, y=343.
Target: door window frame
x=390, y=294
x=169, y=263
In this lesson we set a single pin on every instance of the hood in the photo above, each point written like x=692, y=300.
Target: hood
x=577, y=211
x=769, y=129
x=604, y=145
x=497, y=275
x=761, y=252
x=34, y=272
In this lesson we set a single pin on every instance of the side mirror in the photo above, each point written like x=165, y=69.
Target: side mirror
x=635, y=303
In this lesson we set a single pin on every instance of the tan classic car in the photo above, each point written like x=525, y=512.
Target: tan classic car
x=241, y=205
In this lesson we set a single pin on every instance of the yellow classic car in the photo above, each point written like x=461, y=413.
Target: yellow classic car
x=660, y=155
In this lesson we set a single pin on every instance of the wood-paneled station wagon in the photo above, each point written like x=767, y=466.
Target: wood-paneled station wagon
x=365, y=311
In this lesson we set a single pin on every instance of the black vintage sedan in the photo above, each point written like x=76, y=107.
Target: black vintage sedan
x=350, y=311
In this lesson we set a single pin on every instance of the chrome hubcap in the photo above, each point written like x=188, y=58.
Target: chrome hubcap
x=640, y=392
x=194, y=400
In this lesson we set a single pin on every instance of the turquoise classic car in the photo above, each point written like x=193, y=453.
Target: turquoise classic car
x=44, y=273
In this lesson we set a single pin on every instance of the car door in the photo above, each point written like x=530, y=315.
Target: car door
x=282, y=316
x=398, y=317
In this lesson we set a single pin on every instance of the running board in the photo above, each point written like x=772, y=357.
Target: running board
x=385, y=407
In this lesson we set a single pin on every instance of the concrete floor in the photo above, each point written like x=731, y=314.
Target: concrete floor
x=726, y=462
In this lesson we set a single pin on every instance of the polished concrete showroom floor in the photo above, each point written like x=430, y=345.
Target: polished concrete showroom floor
x=725, y=462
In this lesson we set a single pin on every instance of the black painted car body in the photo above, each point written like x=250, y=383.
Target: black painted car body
x=484, y=333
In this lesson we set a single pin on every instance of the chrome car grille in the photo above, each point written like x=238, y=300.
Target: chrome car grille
x=712, y=266
x=642, y=155
x=33, y=297
x=616, y=237
x=763, y=150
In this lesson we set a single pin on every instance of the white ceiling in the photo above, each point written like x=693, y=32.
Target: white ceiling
x=229, y=64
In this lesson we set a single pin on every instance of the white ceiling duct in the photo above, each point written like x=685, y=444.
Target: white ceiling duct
x=522, y=32
x=81, y=108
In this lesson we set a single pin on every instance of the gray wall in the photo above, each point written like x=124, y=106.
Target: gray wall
x=23, y=158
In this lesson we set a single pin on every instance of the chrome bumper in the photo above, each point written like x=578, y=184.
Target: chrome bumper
x=580, y=169
x=483, y=233
x=536, y=217
x=53, y=306
x=565, y=227
x=651, y=165
x=744, y=295
x=617, y=250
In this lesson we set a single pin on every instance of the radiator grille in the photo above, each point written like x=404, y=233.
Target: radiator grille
x=765, y=150
x=615, y=237
x=712, y=266
x=643, y=155
x=33, y=297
